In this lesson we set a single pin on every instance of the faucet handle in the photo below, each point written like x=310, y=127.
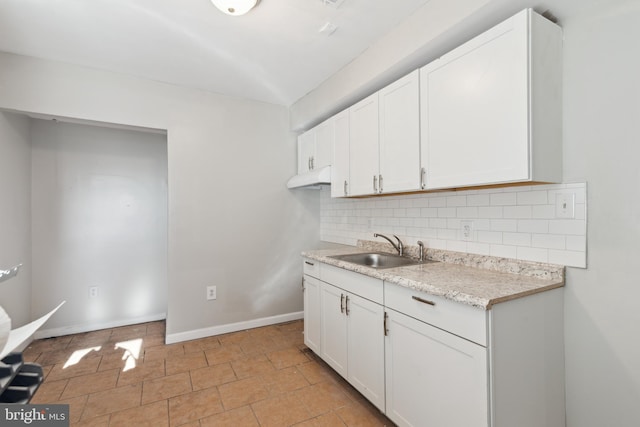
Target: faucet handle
x=400, y=246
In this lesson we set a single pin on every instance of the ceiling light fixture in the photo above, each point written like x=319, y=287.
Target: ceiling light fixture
x=234, y=7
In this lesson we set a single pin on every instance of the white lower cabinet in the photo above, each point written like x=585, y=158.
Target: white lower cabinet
x=433, y=378
x=427, y=361
x=312, y=324
x=352, y=340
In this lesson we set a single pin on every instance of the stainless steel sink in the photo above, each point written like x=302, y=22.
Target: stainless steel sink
x=377, y=260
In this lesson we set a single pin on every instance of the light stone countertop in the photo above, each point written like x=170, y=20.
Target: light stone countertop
x=476, y=280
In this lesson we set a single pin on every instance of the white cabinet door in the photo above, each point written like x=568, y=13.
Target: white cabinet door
x=312, y=313
x=400, y=135
x=477, y=126
x=333, y=328
x=366, y=348
x=340, y=162
x=364, y=164
x=306, y=150
x=324, y=144
x=433, y=378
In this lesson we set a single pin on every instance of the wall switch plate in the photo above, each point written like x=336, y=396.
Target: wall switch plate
x=466, y=230
x=93, y=292
x=566, y=205
x=211, y=292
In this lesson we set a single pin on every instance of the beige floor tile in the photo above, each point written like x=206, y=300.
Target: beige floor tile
x=49, y=391
x=86, y=365
x=289, y=357
x=239, y=417
x=90, y=339
x=201, y=344
x=284, y=380
x=52, y=357
x=126, y=333
x=186, y=362
x=330, y=419
x=283, y=410
x=362, y=414
x=316, y=372
x=323, y=397
x=212, y=376
x=257, y=345
x=49, y=344
x=297, y=325
x=117, y=360
x=146, y=370
x=102, y=421
x=114, y=400
x=242, y=392
x=233, y=337
x=165, y=387
x=152, y=341
x=151, y=415
x=223, y=354
x=154, y=328
x=76, y=406
x=252, y=366
x=194, y=406
x=91, y=383
x=163, y=351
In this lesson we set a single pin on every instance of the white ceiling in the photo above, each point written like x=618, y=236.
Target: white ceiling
x=275, y=53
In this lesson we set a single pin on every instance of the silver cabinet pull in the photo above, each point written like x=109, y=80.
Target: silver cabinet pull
x=386, y=330
x=313, y=161
x=346, y=305
x=380, y=183
x=303, y=284
x=375, y=184
x=341, y=303
x=425, y=301
x=309, y=263
x=345, y=187
x=309, y=163
x=423, y=173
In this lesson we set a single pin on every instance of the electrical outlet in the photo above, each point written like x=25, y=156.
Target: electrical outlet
x=93, y=292
x=466, y=230
x=211, y=292
x=565, y=205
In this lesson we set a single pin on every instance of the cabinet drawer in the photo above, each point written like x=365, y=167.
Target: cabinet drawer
x=459, y=319
x=311, y=268
x=356, y=283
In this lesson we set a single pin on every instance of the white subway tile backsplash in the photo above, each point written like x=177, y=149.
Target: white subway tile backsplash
x=511, y=222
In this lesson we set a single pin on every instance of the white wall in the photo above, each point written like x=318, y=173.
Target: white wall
x=99, y=199
x=602, y=145
x=232, y=221
x=15, y=216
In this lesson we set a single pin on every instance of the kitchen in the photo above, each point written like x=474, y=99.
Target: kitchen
x=600, y=107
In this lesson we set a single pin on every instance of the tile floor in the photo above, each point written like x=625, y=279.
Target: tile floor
x=261, y=377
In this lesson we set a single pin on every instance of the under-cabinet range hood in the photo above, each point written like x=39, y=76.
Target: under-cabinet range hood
x=311, y=179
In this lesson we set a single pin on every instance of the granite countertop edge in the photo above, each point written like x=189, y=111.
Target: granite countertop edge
x=475, y=280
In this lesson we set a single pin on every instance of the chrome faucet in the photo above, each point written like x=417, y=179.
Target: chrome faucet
x=399, y=247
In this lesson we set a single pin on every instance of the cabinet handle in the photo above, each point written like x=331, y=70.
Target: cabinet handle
x=425, y=301
x=309, y=263
x=341, y=303
x=309, y=163
x=423, y=173
x=380, y=183
x=375, y=184
x=345, y=187
x=313, y=161
x=386, y=330
x=346, y=305
x=303, y=284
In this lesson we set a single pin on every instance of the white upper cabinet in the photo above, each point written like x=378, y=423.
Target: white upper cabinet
x=399, y=120
x=315, y=146
x=364, y=156
x=340, y=162
x=491, y=109
x=384, y=154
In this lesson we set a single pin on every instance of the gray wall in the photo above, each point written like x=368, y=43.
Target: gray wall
x=231, y=220
x=99, y=199
x=602, y=145
x=15, y=216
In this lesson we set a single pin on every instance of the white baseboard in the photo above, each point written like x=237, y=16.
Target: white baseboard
x=77, y=329
x=232, y=327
